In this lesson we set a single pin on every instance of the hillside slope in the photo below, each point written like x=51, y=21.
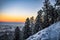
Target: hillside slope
x=50, y=33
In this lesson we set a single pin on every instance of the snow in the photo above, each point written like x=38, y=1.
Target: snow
x=50, y=33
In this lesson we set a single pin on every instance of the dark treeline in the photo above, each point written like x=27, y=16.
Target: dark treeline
x=46, y=16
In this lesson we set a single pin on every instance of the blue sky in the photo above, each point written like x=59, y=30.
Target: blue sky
x=24, y=8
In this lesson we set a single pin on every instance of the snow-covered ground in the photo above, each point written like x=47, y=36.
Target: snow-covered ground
x=50, y=33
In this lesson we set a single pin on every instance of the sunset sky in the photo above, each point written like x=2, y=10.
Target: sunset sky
x=19, y=10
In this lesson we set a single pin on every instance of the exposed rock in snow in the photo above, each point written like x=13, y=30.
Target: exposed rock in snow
x=50, y=33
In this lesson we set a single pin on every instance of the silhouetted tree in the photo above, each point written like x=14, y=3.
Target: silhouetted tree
x=38, y=22
x=57, y=8
x=26, y=29
x=57, y=2
x=32, y=24
x=48, y=9
x=17, y=34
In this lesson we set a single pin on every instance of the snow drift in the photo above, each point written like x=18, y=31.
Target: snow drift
x=50, y=33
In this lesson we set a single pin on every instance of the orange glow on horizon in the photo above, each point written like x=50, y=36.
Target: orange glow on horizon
x=7, y=18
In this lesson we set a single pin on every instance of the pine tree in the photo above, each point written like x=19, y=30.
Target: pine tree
x=38, y=22
x=57, y=2
x=51, y=15
x=32, y=24
x=26, y=29
x=17, y=34
x=57, y=6
x=48, y=9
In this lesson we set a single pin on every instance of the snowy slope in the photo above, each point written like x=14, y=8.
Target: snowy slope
x=50, y=33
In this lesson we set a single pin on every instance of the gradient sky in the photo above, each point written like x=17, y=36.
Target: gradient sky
x=19, y=10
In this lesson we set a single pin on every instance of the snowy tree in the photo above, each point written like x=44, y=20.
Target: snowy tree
x=38, y=22
x=17, y=34
x=57, y=2
x=57, y=6
x=48, y=9
x=32, y=24
x=26, y=29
